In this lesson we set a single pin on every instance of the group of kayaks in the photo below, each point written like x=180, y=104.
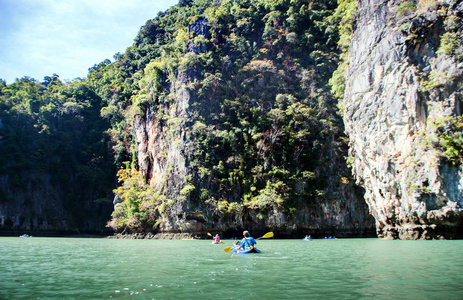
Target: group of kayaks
x=268, y=235
x=236, y=249
x=309, y=238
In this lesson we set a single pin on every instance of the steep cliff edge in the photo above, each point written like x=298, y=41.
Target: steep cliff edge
x=402, y=104
x=237, y=129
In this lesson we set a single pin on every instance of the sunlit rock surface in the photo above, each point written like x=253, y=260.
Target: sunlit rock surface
x=399, y=84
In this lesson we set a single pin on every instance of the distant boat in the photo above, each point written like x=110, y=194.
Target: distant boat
x=307, y=238
x=218, y=242
x=25, y=236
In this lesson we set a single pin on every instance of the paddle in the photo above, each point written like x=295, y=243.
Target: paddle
x=265, y=236
x=209, y=234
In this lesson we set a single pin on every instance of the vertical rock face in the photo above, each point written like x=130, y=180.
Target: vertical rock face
x=398, y=85
x=167, y=146
x=162, y=143
x=160, y=136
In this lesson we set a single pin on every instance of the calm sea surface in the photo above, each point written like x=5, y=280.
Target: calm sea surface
x=71, y=268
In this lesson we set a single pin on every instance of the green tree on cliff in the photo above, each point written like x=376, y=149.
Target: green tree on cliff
x=270, y=134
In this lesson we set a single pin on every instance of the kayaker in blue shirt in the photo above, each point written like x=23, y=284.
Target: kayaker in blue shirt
x=248, y=241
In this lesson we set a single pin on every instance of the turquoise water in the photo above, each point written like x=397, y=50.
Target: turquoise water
x=71, y=268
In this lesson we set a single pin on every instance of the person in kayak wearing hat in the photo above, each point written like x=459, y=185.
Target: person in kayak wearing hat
x=248, y=241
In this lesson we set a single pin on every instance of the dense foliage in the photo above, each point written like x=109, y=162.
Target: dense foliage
x=53, y=146
x=265, y=128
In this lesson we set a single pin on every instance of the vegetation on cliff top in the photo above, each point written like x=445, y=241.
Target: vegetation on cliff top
x=265, y=128
x=53, y=145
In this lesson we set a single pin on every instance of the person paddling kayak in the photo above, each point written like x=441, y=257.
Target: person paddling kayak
x=248, y=241
x=216, y=240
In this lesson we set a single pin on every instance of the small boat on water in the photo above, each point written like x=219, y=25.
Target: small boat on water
x=307, y=238
x=25, y=236
x=239, y=251
x=219, y=242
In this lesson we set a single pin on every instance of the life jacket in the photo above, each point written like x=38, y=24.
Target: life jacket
x=248, y=243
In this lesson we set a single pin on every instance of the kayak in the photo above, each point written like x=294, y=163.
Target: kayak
x=239, y=251
x=219, y=242
x=307, y=240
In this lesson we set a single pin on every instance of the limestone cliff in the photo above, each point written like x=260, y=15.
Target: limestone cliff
x=403, y=95
x=208, y=176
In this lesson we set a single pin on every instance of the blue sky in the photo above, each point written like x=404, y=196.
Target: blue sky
x=67, y=37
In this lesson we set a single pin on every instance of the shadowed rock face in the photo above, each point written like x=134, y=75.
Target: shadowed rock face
x=398, y=85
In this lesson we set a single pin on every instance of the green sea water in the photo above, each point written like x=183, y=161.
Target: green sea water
x=75, y=268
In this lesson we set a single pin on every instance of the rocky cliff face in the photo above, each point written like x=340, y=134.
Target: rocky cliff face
x=169, y=135
x=403, y=93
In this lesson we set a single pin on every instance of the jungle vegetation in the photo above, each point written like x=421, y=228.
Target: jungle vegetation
x=53, y=144
x=270, y=135
x=266, y=128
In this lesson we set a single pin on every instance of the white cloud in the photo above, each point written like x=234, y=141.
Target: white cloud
x=42, y=37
